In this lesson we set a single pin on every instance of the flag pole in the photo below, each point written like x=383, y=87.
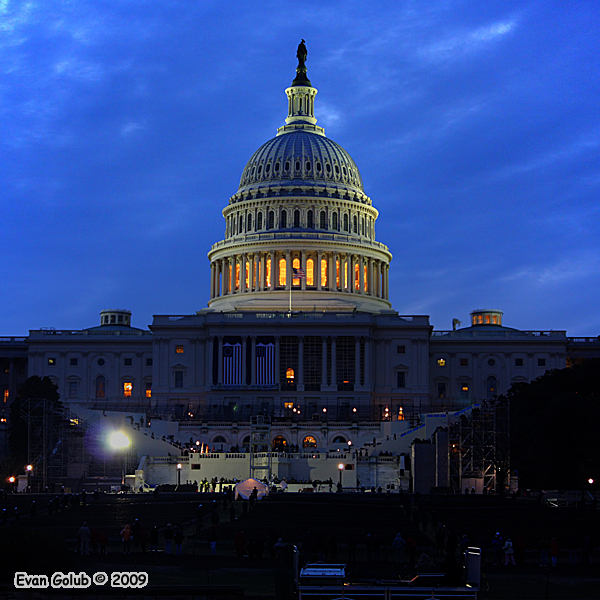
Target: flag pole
x=291, y=297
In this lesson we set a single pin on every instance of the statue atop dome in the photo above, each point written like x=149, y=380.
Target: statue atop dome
x=302, y=53
x=301, y=78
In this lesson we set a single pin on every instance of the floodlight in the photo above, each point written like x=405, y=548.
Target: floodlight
x=118, y=440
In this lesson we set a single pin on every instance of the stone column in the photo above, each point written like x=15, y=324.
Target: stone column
x=244, y=354
x=370, y=274
x=212, y=280
x=288, y=270
x=361, y=275
x=300, y=381
x=303, y=267
x=356, y=361
x=208, y=375
x=367, y=362
x=318, y=270
x=243, y=273
x=323, y=362
x=217, y=278
x=263, y=271
x=351, y=272
x=333, y=361
x=253, y=360
x=274, y=271
x=331, y=274
x=387, y=282
x=277, y=358
x=220, y=359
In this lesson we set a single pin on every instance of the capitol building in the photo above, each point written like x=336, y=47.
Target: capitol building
x=299, y=352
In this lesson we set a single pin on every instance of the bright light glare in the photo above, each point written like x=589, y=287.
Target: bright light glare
x=341, y=467
x=29, y=468
x=118, y=440
x=590, y=481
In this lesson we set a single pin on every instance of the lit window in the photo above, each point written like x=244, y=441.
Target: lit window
x=480, y=319
x=346, y=283
x=487, y=319
x=127, y=362
x=295, y=265
x=288, y=405
x=127, y=388
x=247, y=275
x=495, y=320
x=148, y=389
x=464, y=390
x=52, y=362
x=310, y=272
x=441, y=362
x=178, y=349
x=400, y=414
x=100, y=387
x=356, y=277
x=282, y=272
x=324, y=272
x=366, y=287
x=229, y=278
x=268, y=272
x=309, y=442
x=6, y=394
x=337, y=274
x=289, y=374
x=237, y=275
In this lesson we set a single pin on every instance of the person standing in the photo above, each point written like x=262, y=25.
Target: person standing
x=85, y=536
x=178, y=539
x=168, y=535
x=509, y=553
x=126, y=539
x=554, y=548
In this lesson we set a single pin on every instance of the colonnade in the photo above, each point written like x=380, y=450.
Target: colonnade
x=323, y=271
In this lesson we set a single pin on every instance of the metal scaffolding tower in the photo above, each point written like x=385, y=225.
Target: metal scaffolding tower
x=478, y=446
x=260, y=447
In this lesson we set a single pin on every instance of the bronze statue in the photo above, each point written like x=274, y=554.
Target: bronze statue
x=302, y=53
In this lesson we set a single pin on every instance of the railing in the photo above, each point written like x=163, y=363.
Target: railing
x=13, y=340
x=509, y=334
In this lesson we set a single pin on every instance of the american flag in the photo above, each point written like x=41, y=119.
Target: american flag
x=299, y=273
x=265, y=364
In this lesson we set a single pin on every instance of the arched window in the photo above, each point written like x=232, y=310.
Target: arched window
x=295, y=265
x=283, y=223
x=248, y=275
x=100, y=386
x=237, y=275
x=249, y=223
x=268, y=272
x=339, y=439
x=309, y=219
x=355, y=224
x=310, y=272
x=323, y=220
x=271, y=223
x=241, y=225
x=323, y=272
x=259, y=221
x=234, y=226
x=290, y=375
x=309, y=442
x=366, y=287
x=282, y=272
x=296, y=218
x=334, y=221
x=491, y=387
x=279, y=444
x=219, y=439
x=337, y=273
x=356, y=277
x=345, y=222
x=362, y=226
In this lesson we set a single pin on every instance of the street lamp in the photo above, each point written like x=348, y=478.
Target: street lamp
x=341, y=468
x=179, y=465
x=29, y=471
x=12, y=480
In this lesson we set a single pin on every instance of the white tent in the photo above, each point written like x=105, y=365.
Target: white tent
x=244, y=489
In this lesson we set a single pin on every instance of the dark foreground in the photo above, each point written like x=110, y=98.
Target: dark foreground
x=355, y=529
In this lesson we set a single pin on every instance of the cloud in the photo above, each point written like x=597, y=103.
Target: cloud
x=132, y=127
x=78, y=69
x=464, y=43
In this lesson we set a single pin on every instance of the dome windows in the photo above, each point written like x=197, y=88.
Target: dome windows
x=297, y=165
x=334, y=221
x=249, y=223
x=318, y=167
x=259, y=221
x=323, y=220
x=267, y=168
x=276, y=167
x=287, y=165
x=283, y=223
x=307, y=165
x=328, y=168
x=309, y=220
x=271, y=220
x=344, y=171
x=337, y=171
x=345, y=222
x=259, y=170
x=296, y=218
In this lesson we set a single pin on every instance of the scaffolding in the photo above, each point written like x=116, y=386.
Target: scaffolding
x=478, y=446
x=260, y=447
x=55, y=439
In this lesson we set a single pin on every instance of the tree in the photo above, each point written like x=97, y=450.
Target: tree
x=554, y=422
x=34, y=387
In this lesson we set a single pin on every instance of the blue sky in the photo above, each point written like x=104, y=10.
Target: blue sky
x=125, y=127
